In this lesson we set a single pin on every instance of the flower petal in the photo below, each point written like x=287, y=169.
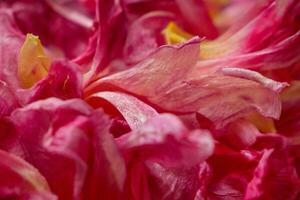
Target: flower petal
x=19, y=179
x=33, y=64
x=168, y=80
x=164, y=139
x=10, y=44
x=63, y=81
x=274, y=173
x=133, y=110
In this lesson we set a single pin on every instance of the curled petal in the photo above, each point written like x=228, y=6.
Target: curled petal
x=133, y=110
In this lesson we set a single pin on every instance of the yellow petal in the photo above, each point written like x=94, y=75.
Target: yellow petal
x=33, y=63
x=174, y=35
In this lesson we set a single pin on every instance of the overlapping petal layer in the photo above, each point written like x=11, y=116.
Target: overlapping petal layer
x=149, y=100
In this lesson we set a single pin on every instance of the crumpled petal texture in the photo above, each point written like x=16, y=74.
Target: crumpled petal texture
x=150, y=100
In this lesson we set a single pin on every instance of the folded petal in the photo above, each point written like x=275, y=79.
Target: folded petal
x=133, y=110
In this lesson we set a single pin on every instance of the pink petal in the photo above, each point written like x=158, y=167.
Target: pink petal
x=10, y=44
x=167, y=79
x=165, y=140
x=133, y=110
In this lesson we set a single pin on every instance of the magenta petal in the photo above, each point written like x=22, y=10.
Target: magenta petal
x=70, y=139
x=190, y=13
x=125, y=117
x=20, y=180
x=241, y=134
x=106, y=177
x=72, y=11
x=111, y=26
x=64, y=81
x=164, y=146
x=282, y=55
x=144, y=35
x=275, y=173
x=8, y=101
x=10, y=44
x=195, y=13
x=55, y=30
x=288, y=124
x=226, y=174
x=173, y=184
x=54, y=148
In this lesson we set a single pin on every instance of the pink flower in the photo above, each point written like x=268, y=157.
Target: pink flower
x=148, y=100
